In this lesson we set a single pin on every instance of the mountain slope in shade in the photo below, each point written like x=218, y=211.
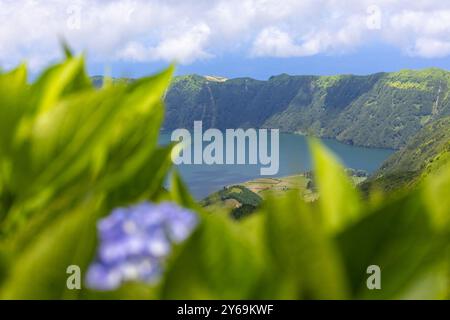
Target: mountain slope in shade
x=425, y=153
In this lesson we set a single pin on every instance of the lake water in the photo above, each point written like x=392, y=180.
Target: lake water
x=294, y=158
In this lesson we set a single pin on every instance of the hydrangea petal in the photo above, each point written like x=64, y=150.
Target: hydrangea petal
x=135, y=242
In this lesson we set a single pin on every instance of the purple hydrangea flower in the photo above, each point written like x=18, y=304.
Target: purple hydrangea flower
x=135, y=241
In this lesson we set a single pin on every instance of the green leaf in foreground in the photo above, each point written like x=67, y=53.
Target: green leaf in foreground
x=73, y=153
x=304, y=256
x=180, y=193
x=339, y=200
x=435, y=194
x=39, y=272
x=399, y=238
x=85, y=141
x=219, y=261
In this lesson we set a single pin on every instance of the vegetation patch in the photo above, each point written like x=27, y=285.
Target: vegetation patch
x=407, y=85
x=326, y=82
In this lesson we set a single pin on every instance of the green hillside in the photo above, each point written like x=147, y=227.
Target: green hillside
x=426, y=152
x=238, y=200
x=407, y=110
x=241, y=200
x=380, y=110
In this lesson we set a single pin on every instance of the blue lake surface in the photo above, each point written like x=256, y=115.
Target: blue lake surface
x=203, y=179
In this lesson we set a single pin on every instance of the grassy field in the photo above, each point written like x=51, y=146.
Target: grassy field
x=249, y=195
x=276, y=186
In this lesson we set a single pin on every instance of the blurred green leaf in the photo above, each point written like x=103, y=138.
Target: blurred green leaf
x=39, y=272
x=59, y=81
x=13, y=102
x=180, y=194
x=397, y=237
x=4, y=266
x=339, y=200
x=128, y=291
x=66, y=48
x=94, y=141
x=219, y=261
x=302, y=251
x=434, y=284
x=436, y=197
x=143, y=184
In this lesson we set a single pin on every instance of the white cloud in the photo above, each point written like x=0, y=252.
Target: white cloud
x=184, y=48
x=421, y=33
x=186, y=31
x=430, y=48
x=275, y=42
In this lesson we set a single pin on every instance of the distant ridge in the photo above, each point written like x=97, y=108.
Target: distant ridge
x=377, y=110
x=215, y=78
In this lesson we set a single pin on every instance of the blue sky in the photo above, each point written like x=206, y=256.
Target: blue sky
x=365, y=61
x=231, y=38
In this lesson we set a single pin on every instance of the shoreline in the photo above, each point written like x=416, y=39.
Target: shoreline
x=299, y=133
